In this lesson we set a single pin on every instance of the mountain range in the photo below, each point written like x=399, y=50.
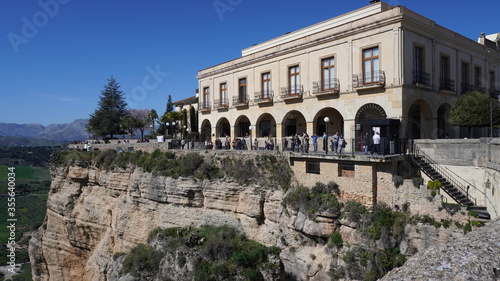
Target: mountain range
x=59, y=132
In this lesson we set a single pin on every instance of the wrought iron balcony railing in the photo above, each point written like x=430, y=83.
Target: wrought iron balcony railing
x=446, y=84
x=466, y=87
x=369, y=79
x=241, y=100
x=263, y=96
x=224, y=103
x=292, y=92
x=326, y=87
x=423, y=78
x=204, y=106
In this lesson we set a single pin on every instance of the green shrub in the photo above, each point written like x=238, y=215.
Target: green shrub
x=436, y=184
x=398, y=181
x=320, y=198
x=142, y=259
x=417, y=182
x=354, y=211
x=335, y=239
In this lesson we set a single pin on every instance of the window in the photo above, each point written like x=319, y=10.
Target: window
x=346, y=170
x=446, y=83
x=294, y=76
x=371, y=65
x=418, y=65
x=312, y=167
x=464, y=77
x=242, y=92
x=328, y=74
x=223, y=94
x=477, y=78
x=206, y=97
x=266, y=85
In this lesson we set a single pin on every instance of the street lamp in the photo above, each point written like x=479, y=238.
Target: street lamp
x=325, y=141
x=168, y=128
x=251, y=128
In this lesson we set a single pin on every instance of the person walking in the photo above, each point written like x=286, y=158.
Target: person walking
x=366, y=142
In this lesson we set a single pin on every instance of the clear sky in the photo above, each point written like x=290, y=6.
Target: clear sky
x=56, y=55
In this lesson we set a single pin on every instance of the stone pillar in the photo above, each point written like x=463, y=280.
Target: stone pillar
x=310, y=128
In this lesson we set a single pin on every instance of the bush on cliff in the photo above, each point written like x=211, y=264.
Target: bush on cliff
x=320, y=198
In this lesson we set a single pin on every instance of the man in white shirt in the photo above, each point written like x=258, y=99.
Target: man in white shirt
x=376, y=143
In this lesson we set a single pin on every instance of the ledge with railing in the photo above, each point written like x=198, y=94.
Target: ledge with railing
x=240, y=101
x=204, y=106
x=292, y=92
x=446, y=84
x=421, y=78
x=366, y=80
x=263, y=97
x=326, y=87
x=221, y=104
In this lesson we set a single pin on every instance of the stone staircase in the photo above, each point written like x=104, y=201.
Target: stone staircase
x=449, y=184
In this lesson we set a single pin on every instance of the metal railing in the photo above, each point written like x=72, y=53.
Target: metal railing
x=366, y=79
x=326, y=86
x=263, y=96
x=446, y=174
x=447, y=84
x=204, y=106
x=224, y=103
x=290, y=92
x=420, y=77
x=240, y=100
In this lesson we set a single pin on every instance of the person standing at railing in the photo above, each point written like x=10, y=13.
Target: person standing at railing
x=314, y=137
x=336, y=142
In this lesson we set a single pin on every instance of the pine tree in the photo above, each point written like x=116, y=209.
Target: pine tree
x=112, y=109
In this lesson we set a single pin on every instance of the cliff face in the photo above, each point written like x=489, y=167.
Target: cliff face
x=94, y=213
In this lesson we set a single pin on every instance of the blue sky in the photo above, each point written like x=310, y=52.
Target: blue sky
x=56, y=55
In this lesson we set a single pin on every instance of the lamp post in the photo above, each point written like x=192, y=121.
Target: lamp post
x=168, y=128
x=173, y=130
x=184, y=133
x=325, y=141
x=250, y=128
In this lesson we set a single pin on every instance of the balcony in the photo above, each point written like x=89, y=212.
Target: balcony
x=480, y=88
x=294, y=92
x=240, y=101
x=204, y=106
x=264, y=97
x=326, y=87
x=466, y=87
x=222, y=104
x=446, y=84
x=368, y=80
x=421, y=78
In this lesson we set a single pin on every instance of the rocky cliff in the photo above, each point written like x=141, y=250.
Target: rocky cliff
x=103, y=204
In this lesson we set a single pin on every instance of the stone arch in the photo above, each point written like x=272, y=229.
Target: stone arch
x=223, y=128
x=367, y=112
x=266, y=126
x=336, y=123
x=419, y=121
x=443, y=126
x=293, y=123
x=241, y=126
x=206, y=130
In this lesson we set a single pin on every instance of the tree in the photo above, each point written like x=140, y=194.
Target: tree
x=193, y=119
x=112, y=109
x=473, y=110
x=169, y=117
x=170, y=105
x=130, y=124
x=143, y=120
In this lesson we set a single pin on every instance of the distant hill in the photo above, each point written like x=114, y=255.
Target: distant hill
x=24, y=141
x=58, y=132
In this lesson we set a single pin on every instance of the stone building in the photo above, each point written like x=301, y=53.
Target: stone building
x=376, y=68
